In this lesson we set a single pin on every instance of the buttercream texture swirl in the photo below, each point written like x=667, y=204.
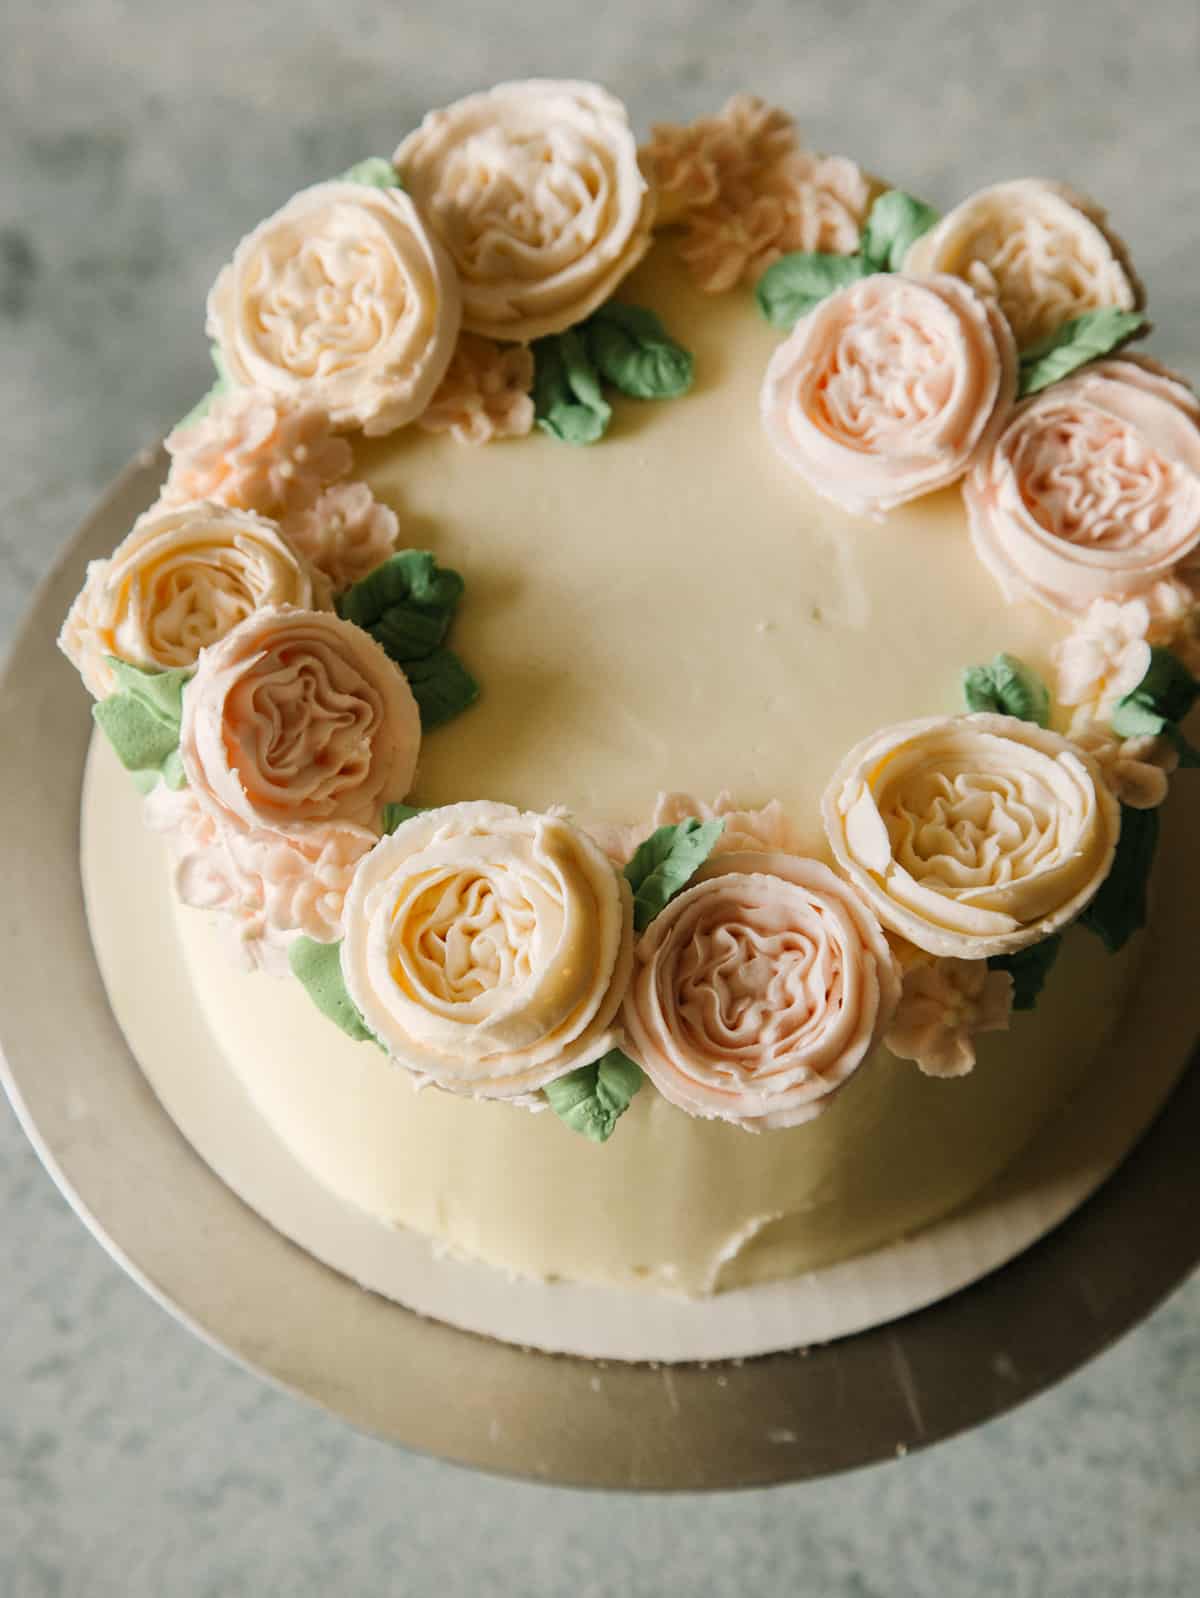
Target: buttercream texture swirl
x=1092, y=491
x=888, y=388
x=535, y=190
x=1042, y=251
x=488, y=948
x=759, y=990
x=972, y=836
x=298, y=717
x=342, y=297
x=182, y=579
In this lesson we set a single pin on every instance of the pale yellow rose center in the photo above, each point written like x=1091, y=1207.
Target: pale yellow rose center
x=462, y=935
x=955, y=828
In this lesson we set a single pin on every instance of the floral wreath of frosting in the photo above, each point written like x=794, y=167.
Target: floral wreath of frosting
x=266, y=655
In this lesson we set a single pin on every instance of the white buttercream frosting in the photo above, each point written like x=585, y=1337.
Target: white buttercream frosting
x=298, y=717
x=1043, y=251
x=535, y=190
x=345, y=298
x=1092, y=491
x=759, y=990
x=488, y=948
x=887, y=389
x=181, y=580
x=972, y=835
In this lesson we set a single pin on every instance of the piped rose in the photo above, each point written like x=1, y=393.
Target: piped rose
x=179, y=582
x=535, y=190
x=886, y=390
x=488, y=949
x=343, y=297
x=1092, y=491
x=1041, y=250
x=972, y=836
x=759, y=990
x=298, y=717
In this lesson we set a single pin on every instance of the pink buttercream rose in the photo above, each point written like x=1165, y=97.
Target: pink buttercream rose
x=944, y=1006
x=758, y=992
x=256, y=451
x=346, y=534
x=888, y=388
x=1092, y=491
x=298, y=717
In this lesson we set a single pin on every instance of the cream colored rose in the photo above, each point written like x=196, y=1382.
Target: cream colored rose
x=886, y=390
x=759, y=990
x=257, y=451
x=1092, y=491
x=535, y=190
x=1043, y=251
x=971, y=835
x=344, y=298
x=488, y=949
x=298, y=717
x=180, y=581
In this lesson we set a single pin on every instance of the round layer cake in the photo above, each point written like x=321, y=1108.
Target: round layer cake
x=727, y=624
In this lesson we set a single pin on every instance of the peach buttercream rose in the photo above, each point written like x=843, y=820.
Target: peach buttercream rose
x=759, y=990
x=344, y=298
x=488, y=948
x=180, y=581
x=535, y=190
x=971, y=835
x=1092, y=491
x=1042, y=251
x=887, y=389
x=258, y=451
x=298, y=717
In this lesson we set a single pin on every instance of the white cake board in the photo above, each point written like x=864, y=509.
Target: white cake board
x=133, y=925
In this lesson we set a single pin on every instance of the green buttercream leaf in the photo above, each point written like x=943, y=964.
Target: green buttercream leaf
x=319, y=967
x=665, y=863
x=894, y=224
x=789, y=289
x=1009, y=688
x=1159, y=703
x=407, y=605
x=441, y=685
x=1119, y=909
x=1029, y=969
x=633, y=351
x=567, y=400
x=1084, y=338
x=376, y=171
x=593, y=1098
x=141, y=720
x=222, y=386
x=396, y=815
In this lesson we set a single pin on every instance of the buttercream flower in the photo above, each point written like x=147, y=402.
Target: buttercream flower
x=485, y=394
x=759, y=990
x=298, y=717
x=887, y=389
x=487, y=949
x=256, y=451
x=691, y=163
x=180, y=581
x=1092, y=491
x=1174, y=606
x=766, y=827
x=1043, y=251
x=1105, y=657
x=342, y=297
x=535, y=190
x=945, y=1004
x=1135, y=769
x=271, y=887
x=346, y=534
x=971, y=835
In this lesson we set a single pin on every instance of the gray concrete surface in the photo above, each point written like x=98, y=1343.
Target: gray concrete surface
x=139, y=139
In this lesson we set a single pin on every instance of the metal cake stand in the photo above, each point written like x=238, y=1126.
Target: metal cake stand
x=222, y=1271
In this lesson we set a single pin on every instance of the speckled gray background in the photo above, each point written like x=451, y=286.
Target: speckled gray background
x=139, y=139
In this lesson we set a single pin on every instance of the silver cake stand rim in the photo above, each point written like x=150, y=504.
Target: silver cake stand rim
x=226, y=1275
